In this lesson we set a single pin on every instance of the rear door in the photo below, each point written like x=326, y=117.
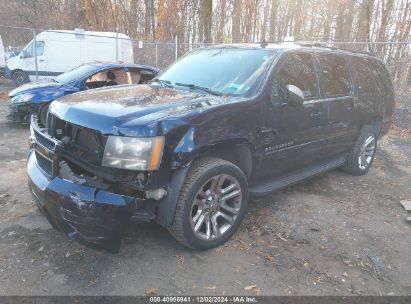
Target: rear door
x=337, y=93
x=292, y=136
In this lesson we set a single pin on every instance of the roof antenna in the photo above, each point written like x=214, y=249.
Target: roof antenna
x=263, y=43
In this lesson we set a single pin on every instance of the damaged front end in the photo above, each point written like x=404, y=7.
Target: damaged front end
x=21, y=112
x=91, y=209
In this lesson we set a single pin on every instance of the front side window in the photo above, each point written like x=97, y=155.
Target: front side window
x=298, y=70
x=29, y=50
x=225, y=70
x=334, y=76
x=76, y=73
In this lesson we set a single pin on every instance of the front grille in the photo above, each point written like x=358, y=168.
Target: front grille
x=44, y=163
x=43, y=140
x=82, y=143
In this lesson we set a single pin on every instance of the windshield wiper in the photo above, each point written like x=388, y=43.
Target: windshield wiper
x=196, y=87
x=167, y=83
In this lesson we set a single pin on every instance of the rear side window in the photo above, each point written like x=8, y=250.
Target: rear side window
x=298, y=70
x=334, y=76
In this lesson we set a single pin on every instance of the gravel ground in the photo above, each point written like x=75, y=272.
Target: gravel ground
x=333, y=235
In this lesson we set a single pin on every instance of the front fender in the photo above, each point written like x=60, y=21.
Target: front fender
x=167, y=206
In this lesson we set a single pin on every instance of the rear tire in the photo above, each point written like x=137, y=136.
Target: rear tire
x=19, y=78
x=211, y=204
x=362, y=153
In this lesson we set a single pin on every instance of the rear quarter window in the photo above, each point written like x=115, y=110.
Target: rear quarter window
x=334, y=75
x=382, y=77
x=372, y=77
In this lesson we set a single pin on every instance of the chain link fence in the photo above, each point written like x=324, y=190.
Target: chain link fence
x=113, y=47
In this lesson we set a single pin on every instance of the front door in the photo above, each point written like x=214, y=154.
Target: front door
x=29, y=61
x=292, y=136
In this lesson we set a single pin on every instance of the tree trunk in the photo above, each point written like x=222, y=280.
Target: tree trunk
x=273, y=20
x=236, y=21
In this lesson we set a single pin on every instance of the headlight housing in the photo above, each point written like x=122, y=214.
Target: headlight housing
x=22, y=98
x=143, y=154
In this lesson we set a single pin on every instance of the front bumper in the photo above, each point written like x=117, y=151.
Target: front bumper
x=7, y=72
x=94, y=217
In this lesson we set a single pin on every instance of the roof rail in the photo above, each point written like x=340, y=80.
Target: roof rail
x=264, y=43
x=321, y=45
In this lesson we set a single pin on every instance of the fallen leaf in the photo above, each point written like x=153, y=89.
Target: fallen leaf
x=210, y=287
x=67, y=254
x=269, y=258
x=250, y=287
x=279, y=236
x=91, y=283
x=151, y=292
x=41, y=248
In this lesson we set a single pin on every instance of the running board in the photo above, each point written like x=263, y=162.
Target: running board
x=294, y=177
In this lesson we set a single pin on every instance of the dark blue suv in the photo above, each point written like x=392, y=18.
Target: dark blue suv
x=189, y=148
x=34, y=98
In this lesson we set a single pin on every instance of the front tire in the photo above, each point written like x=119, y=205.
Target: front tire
x=211, y=204
x=42, y=114
x=362, y=153
x=19, y=78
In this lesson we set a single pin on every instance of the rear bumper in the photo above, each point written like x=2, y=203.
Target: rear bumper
x=94, y=217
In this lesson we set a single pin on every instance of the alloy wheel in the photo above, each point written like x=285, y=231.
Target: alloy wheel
x=367, y=152
x=216, y=207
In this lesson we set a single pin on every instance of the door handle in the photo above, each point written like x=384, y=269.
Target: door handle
x=316, y=114
x=41, y=60
x=264, y=131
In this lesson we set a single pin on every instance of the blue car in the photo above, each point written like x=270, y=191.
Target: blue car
x=35, y=97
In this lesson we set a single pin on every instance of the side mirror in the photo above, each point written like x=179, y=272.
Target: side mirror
x=295, y=95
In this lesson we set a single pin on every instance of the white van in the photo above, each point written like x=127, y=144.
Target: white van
x=2, y=57
x=61, y=51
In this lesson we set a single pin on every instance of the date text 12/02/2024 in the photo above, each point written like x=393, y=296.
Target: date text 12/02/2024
x=203, y=299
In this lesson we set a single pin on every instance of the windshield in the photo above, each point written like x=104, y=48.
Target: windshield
x=76, y=73
x=225, y=70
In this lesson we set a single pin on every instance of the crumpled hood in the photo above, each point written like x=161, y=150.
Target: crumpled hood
x=34, y=86
x=130, y=110
x=44, y=91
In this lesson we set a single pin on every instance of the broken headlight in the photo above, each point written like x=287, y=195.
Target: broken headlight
x=22, y=98
x=133, y=153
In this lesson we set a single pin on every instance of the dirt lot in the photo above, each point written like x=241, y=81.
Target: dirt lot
x=333, y=235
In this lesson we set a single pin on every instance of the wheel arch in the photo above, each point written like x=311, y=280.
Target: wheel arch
x=375, y=123
x=238, y=152
x=17, y=70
